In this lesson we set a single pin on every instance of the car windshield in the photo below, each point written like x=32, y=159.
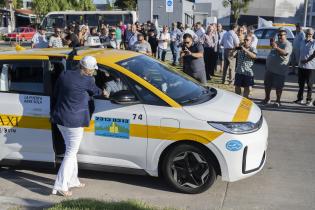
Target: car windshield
x=176, y=85
x=270, y=33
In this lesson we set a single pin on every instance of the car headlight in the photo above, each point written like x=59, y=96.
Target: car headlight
x=237, y=127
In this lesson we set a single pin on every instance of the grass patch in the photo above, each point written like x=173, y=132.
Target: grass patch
x=91, y=204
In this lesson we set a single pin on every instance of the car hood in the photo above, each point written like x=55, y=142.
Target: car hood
x=225, y=107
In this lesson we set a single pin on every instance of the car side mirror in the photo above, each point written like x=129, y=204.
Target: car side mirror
x=124, y=97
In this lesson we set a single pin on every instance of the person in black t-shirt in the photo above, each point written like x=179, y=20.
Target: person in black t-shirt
x=153, y=42
x=192, y=56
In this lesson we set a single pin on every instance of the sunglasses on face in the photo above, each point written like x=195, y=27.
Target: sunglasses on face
x=309, y=34
x=186, y=42
x=113, y=34
x=282, y=34
x=246, y=40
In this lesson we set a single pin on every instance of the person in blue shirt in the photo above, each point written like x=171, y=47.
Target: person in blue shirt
x=73, y=91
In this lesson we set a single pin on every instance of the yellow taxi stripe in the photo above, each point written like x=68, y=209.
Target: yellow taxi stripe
x=168, y=133
x=136, y=130
x=243, y=110
x=14, y=121
x=146, y=84
x=263, y=47
x=23, y=57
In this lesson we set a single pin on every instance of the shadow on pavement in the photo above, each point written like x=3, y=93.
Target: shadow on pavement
x=37, y=184
x=28, y=181
x=289, y=88
x=286, y=107
x=137, y=180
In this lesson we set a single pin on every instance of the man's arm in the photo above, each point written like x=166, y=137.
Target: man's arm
x=282, y=52
x=309, y=58
x=251, y=54
x=50, y=42
x=198, y=54
x=236, y=40
x=149, y=50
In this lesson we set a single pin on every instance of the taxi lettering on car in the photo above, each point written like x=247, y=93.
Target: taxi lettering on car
x=158, y=122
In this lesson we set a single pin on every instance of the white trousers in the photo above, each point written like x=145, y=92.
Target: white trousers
x=67, y=176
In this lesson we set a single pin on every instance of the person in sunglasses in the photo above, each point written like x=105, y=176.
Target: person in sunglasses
x=55, y=41
x=306, y=72
x=192, y=57
x=111, y=41
x=277, y=64
x=244, y=77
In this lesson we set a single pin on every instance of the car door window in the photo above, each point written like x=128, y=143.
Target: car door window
x=22, y=77
x=110, y=81
x=147, y=96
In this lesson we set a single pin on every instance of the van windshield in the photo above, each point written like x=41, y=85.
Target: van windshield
x=176, y=85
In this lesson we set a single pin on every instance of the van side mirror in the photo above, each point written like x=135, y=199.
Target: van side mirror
x=124, y=97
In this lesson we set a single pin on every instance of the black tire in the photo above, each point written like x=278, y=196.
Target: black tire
x=194, y=179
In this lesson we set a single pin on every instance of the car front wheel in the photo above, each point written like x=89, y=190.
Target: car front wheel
x=188, y=169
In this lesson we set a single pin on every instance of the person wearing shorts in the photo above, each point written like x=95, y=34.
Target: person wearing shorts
x=276, y=66
x=244, y=77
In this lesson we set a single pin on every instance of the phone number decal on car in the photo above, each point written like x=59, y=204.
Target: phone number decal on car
x=112, y=127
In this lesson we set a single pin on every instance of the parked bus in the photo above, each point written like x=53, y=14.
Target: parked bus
x=62, y=19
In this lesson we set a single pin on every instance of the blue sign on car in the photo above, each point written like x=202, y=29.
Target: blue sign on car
x=233, y=145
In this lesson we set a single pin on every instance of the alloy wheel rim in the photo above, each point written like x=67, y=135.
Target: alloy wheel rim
x=190, y=169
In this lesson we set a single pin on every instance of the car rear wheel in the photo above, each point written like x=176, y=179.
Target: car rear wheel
x=188, y=169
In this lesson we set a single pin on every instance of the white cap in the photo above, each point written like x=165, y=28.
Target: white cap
x=89, y=62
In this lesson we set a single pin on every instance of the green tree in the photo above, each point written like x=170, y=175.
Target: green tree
x=41, y=7
x=126, y=4
x=237, y=7
x=2, y=3
x=17, y=4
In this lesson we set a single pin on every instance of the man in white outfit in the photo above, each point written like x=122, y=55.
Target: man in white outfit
x=71, y=114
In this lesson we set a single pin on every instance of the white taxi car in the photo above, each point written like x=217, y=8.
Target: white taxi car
x=159, y=123
x=264, y=35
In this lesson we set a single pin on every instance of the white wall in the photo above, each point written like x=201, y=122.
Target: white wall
x=223, y=14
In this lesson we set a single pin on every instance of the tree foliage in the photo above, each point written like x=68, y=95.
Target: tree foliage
x=17, y=4
x=42, y=7
x=237, y=7
x=126, y=4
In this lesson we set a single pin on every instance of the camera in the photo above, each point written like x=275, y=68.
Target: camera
x=238, y=48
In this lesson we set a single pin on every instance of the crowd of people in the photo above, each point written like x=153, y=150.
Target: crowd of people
x=202, y=51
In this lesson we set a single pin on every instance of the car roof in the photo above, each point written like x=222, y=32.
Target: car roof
x=103, y=56
x=275, y=27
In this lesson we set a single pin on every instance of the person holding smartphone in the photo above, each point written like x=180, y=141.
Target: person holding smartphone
x=244, y=77
x=192, y=57
x=277, y=64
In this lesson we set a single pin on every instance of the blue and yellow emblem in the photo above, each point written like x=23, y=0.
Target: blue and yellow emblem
x=112, y=127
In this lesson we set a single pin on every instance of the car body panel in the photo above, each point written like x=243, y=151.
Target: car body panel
x=158, y=128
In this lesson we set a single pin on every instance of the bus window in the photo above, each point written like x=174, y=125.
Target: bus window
x=75, y=18
x=111, y=20
x=127, y=18
x=92, y=20
x=53, y=21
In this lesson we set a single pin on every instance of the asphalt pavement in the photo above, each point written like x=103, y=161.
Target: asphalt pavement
x=286, y=181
